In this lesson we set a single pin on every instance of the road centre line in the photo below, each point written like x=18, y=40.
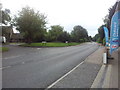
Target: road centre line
x=38, y=48
x=50, y=86
x=9, y=66
x=12, y=57
x=23, y=62
x=5, y=67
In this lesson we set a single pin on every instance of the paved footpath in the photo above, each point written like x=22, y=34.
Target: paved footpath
x=115, y=71
x=108, y=76
x=86, y=70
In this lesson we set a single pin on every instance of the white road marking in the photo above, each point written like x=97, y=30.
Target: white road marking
x=12, y=57
x=105, y=79
x=50, y=86
x=38, y=48
x=98, y=77
x=23, y=62
x=9, y=66
x=5, y=67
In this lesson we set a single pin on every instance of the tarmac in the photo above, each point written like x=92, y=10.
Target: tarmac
x=99, y=75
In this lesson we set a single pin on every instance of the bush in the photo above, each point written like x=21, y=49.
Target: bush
x=104, y=42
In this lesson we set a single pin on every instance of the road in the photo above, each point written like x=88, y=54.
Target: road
x=40, y=67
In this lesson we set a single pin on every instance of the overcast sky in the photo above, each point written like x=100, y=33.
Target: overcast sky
x=67, y=13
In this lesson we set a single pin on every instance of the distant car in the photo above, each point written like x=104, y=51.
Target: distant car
x=2, y=39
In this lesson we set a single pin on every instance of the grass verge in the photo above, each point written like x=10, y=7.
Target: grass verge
x=49, y=44
x=3, y=49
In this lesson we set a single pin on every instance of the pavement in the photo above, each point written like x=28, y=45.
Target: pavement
x=115, y=63
x=105, y=75
x=109, y=74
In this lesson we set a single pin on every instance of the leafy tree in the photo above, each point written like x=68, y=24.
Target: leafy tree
x=31, y=24
x=64, y=36
x=96, y=37
x=112, y=11
x=7, y=32
x=99, y=40
x=107, y=22
x=90, y=38
x=107, y=19
x=101, y=33
x=6, y=24
x=6, y=16
x=79, y=33
x=55, y=32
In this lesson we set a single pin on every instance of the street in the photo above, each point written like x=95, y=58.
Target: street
x=27, y=67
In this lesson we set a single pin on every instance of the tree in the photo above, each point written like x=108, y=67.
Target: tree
x=6, y=16
x=31, y=24
x=112, y=11
x=6, y=24
x=90, y=38
x=64, y=36
x=79, y=34
x=101, y=33
x=107, y=19
x=55, y=32
x=107, y=23
x=96, y=37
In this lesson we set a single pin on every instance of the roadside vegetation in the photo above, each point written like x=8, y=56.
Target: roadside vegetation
x=100, y=37
x=49, y=44
x=3, y=49
x=32, y=27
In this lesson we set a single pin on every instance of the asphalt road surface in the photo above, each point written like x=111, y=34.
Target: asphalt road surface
x=40, y=67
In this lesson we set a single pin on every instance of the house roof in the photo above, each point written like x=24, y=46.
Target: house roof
x=17, y=36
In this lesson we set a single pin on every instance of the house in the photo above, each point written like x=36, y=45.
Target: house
x=17, y=37
x=11, y=34
x=7, y=32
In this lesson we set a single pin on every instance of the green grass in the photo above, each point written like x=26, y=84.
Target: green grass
x=16, y=43
x=50, y=44
x=3, y=49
